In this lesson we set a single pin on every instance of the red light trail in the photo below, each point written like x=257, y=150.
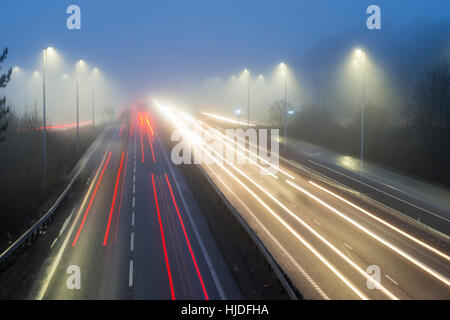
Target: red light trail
x=163, y=240
x=187, y=240
x=105, y=240
x=121, y=194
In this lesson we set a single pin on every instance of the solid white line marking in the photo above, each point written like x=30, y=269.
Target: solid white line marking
x=392, y=280
x=130, y=279
x=132, y=242
x=66, y=240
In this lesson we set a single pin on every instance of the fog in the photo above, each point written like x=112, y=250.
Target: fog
x=25, y=90
x=228, y=94
x=395, y=60
x=326, y=75
x=323, y=75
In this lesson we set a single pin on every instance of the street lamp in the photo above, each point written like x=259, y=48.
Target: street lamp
x=44, y=137
x=361, y=59
x=247, y=73
x=94, y=73
x=284, y=70
x=78, y=115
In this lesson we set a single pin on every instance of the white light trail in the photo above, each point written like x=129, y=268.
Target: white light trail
x=179, y=123
x=407, y=235
x=374, y=236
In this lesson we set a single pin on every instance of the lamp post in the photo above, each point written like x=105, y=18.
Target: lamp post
x=247, y=73
x=94, y=72
x=284, y=70
x=360, y=54
x=44, y=136
x=78, y=114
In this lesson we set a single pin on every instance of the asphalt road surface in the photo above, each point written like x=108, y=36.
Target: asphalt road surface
x=330, y=245
x=133, y=234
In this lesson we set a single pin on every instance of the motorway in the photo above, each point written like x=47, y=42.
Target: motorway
x=136, y=232
x=330, y=245
x=421, y=201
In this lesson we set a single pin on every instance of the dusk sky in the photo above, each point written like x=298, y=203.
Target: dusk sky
x=149, y=43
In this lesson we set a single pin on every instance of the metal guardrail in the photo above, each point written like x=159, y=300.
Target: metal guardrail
x=44, y=220
x=37, y=226
x=284, y=280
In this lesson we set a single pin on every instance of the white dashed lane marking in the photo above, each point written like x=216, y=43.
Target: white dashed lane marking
x=348, y=246
x=392, y=280
x=130, y=278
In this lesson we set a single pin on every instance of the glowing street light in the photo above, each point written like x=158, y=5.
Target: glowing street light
x=247, y=73
x=78, y=115
x=360, y=59
x=284, y=71
x=94, y=73
x=44, y=138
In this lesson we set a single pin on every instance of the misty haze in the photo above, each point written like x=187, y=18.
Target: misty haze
x=325, y=125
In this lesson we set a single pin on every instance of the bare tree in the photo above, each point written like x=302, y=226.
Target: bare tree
x=431, y=108
x=4, y=110
x=276, y=111
x=430, y=119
